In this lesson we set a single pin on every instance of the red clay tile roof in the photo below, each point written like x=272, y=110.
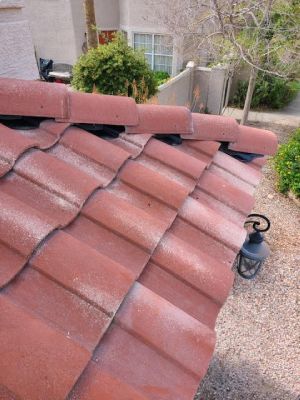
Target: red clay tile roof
x=115, y=255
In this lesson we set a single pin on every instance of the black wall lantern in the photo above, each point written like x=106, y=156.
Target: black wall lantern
x=254, y=250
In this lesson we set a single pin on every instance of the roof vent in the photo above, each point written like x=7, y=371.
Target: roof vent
x=19, y=122
x=172, y=140
x=103, y=131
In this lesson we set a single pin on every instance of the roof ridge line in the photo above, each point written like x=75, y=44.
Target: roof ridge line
x=65, y=105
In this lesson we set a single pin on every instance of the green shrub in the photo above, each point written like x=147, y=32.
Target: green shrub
x=287, y=165
x=270, y=91
x=161, y=77
x=115, y=68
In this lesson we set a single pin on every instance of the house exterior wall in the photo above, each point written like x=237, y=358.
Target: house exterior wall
x=107, y=18
x=17, y=58
x=52, y=28
x=58, y=26
x=107, y=14
x=139, y=16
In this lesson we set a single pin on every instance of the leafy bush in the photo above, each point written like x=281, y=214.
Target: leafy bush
x=161, y=77
x=287, y=165
x=270, y=91
x=115, y=68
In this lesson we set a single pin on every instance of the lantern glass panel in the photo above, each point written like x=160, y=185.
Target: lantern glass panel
x=247, y=267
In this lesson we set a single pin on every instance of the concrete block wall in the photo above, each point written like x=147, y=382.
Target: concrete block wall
x=17, y=58
x=177, y=91
x=217, y=90
x=199, y=88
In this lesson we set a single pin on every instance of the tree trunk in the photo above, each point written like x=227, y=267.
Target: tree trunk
x=250, y=90
x=90, y=20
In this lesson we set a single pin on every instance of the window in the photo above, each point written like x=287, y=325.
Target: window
x=158, y=50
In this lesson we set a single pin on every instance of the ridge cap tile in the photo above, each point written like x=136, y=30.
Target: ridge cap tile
x=46, y=99
x=254, y=140
x=100, y=109
x=214, y=127
x=162, y=119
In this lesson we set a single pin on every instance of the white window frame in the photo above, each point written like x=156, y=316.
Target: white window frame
x=153, y=54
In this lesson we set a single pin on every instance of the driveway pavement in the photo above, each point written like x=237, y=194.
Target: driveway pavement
x=290, y=115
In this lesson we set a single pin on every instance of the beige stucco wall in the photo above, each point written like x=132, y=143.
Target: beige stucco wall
x=143, y=16
x=199, y=88
x=58, y=26
x=17, y=58
x=177, y=91
x=107, y=18
x=217, y=87
x=107, y=14
x=51, y=24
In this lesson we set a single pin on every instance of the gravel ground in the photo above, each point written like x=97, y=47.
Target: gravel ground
x=257, y=355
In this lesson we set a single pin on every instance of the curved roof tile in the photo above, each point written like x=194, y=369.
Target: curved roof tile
x=254, y=140
x=46, y=99
x=162, y=119
x=104, y=109
x=216, y=127
x=115, y=254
